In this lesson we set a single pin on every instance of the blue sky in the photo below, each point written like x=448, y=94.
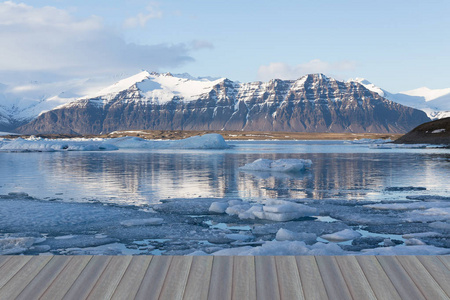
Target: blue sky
x=398, y=45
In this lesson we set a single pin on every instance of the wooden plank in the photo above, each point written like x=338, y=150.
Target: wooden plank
x=445, y=260
x=131, y=280
x=197, y=285
x=110, y=278
x=355, y=278
x=43, y=280
x=176, y=278
x=400, y=278
x=377, y=278
x=23, y=277
x=220, y=285
x=66, y=278
x=421, y=277
x=153, y=280
x=438, y=270
x=288, y=278
x=266, y=278
x=86, y=281
x=312, y=284
x=333, y=280
x=244, y=280
x=11, y=267
x=3, y=259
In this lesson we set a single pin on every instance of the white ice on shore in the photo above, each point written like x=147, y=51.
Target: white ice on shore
x=407, y=250
x=287, y=235
x=341, y=236
x=285, y=248
x=371, y=141
x=17, y=245
x=273, y=210
x=280, y=165
x=207, y=141
x=142, y=222
x=408, y=206
x=49, y=145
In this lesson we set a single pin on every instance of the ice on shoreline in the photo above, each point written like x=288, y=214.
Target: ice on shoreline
x=207, y=141
x=280, y=165
x=272, y=210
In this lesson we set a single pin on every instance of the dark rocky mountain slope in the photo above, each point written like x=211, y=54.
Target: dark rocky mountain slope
x=313, y=103
x=434, y=132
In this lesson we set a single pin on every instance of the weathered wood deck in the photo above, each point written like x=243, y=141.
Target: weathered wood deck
x=206, y=277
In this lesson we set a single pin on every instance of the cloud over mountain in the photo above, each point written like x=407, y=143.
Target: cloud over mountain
x=51, y=41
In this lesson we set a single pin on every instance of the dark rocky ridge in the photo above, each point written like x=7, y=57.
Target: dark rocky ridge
x=313, y=103
x=434, y=132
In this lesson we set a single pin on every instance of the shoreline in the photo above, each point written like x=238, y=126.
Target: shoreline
x=227, y=135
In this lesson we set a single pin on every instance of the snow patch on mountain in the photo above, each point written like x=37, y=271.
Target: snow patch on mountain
x=435, y=103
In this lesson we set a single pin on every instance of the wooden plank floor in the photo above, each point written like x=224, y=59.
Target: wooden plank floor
x=224, y=277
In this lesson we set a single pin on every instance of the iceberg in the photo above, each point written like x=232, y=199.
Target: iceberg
x=280, y=165
x=207, y=141
x=49, y=145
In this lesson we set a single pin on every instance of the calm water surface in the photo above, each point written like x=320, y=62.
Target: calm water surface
x=339, y=170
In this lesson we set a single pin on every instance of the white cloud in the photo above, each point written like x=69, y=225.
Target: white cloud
x=141, y=19
x=201, y=44
x=50, y=40
x=285, y=71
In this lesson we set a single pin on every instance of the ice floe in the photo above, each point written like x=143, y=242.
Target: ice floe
x=207, y=141
x=287, y=235
x=285, y=248
x=341, y=236
x=142, y=222
x=36, y=144
x=48, y=145
x=280, y=165
x=273, y=210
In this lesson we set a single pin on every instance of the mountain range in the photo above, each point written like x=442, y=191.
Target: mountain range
x=313, y=103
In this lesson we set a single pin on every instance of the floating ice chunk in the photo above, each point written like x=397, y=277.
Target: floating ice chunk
x=198, y=253
x=274, y=210
x=15, y=245
x=142, y=222
x=280, y=211
x=238, y=237
x=207, y=141
x=413, y=242
x=285, y=248
x=407, y=250
x=287, y=235
x=371, y=141
x=429, y=215
x=408, y=206
x=281, y=165
x=250, y=213
x=421, y=235
x=218, y=207
x=340, y=236
x=49, y=145
x=65, y=237
x=238, y=209
x=440, y=225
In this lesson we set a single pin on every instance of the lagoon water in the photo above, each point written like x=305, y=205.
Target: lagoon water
x=349, y=175
x=136, y=177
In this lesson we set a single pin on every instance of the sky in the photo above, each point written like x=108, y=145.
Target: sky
x=397, y=45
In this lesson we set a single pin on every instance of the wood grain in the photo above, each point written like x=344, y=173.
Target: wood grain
x=220, y=286
x=266, y=278
x=197, y=286
x=332, y=278
x=244, y=280
x=132, y=278
x=176, y=278
x=312, y=283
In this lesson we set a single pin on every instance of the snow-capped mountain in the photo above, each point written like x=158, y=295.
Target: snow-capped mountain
x=314, y=103
x=435, y=103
